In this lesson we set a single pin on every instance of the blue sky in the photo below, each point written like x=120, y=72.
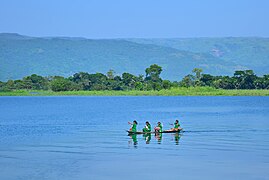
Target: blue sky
x=136, y=18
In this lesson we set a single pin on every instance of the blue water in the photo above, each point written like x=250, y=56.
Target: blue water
x=85, y=138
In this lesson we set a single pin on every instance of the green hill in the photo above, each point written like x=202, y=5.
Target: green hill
x=247, y=52
x=21, y=56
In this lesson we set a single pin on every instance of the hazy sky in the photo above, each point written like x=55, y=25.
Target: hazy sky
x=135, y=18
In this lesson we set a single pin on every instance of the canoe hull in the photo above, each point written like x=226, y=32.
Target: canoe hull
x=166, y=131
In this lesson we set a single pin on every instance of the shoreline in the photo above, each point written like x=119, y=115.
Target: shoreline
x=192, y=91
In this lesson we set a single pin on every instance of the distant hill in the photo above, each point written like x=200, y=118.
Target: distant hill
x=22, y=55
x=248, y=52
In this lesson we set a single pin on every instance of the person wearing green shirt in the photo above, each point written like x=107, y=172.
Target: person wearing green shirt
x=176, y=126
x=159, y=127
x=147, y=128
x=134, y=124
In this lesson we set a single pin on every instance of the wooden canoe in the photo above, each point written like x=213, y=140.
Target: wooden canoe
x=165, y=131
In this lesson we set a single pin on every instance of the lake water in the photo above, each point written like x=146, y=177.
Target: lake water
x=85, y=138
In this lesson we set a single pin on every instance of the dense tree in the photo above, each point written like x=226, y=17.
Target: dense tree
x=35, y=82
x=98, y=81
x=82, y=80
x=197, y=72
x=61, y=84
x=115, y=83
x=153, y=73
x=153, y=80
x=129, y=80
x=198, y=76
x=19, y=84
x=224, y=82
x=243, y=79
x=262, y=82
x=139, y=86
x=207, y=79
x=110, y=74
x=166, y=84
x=188, y=81
x=7, y=86
x=10, y=85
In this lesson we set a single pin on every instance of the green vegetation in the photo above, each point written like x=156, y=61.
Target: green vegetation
x=180, y=91
x=82, y=83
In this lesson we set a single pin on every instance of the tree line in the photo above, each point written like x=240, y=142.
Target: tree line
x=245, y=79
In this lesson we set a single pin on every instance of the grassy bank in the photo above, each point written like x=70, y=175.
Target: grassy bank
x=193, y=91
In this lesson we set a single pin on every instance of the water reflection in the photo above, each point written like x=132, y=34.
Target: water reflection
x=147, y=138
x=177, y=138
x=158, y=137
x=133, y=139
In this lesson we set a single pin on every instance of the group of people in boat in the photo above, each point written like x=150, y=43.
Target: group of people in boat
x=157, y=129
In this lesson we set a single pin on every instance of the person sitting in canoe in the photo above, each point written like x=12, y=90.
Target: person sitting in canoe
x=176, y=126
x=147, y=127
x=159, y=127
x=134, y=124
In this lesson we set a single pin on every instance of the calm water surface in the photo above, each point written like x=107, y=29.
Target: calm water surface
x=85, y=138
